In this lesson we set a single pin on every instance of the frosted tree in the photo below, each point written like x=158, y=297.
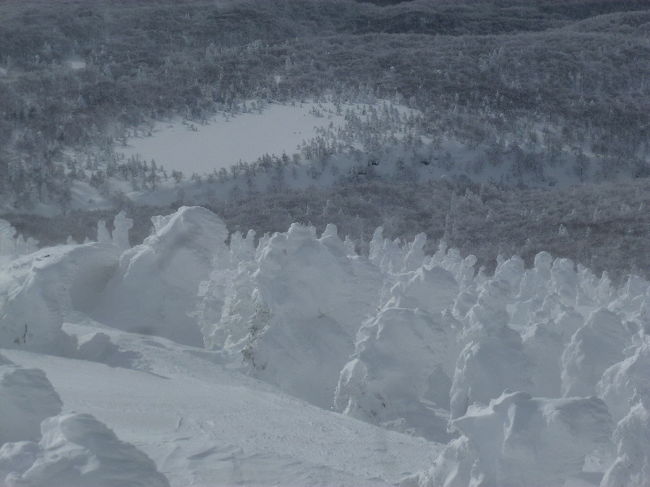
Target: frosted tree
x=103, y=235
x=121, y=227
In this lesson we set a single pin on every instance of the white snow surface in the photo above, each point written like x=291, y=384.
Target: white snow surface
x=520, y=440
x=156, y=282
x=26, y=399
x=76, y=450
x=206, y=425
x=632, y=435
x=228, y=139
x=38, y=290
x=292, y=360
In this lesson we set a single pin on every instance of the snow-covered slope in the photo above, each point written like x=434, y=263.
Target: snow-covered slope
x=206, y=425
x=294, y=360
x=76, y=450
x=41, y=448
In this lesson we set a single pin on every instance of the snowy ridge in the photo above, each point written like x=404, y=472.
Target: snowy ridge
x=535, y=376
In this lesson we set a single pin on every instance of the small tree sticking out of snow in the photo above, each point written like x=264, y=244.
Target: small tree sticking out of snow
x=103, y=235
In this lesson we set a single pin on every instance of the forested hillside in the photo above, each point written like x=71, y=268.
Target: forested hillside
x=534, y=94
x=324, y=243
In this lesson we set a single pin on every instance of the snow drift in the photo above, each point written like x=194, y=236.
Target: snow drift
x=632, y=435
x=520, y=440
x=76, y=450
x=26, y=399
x=154, y=289
x=38, y=291
x=295, y=305
x=399, y=375
x=39, y=447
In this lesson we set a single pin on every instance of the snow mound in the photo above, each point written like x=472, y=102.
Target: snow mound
x=423, y=344
x=494, y=358
x=26, y=398
x=395, y=257
x=98, y=347
x=621, y=383
x=400, y=373
x=296, y=306
x=154, y=290
x=40, y=290
x=543, y=345
x=398, y=377
x=521, y=440
x=593, y=348
x=632, y=435
x=431, y=289
x=76, y=450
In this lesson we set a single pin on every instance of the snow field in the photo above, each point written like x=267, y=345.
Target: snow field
x=228, y=139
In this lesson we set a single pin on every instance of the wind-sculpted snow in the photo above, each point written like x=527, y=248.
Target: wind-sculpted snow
x=400, y=374
x=430, y=337
x=26, y=398
x=621, y=384
x=295, y=305
x=521, y=440
x=76, y=450
x=522, y=363
x=592, y=349
x=154, y=290
x=41, y=448
x=493, y=358
x=632, y=435
x=404, y=356
x=39, y=291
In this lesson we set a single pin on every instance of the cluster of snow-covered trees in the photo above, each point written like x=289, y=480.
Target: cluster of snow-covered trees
x=429, y=345
x=12, y=244
x=525, y=372
x=564, y=90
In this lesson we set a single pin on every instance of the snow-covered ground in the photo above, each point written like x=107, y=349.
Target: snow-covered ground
x=205, y=425
x=229, y=138
x=266, y=147
x=201, y=358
